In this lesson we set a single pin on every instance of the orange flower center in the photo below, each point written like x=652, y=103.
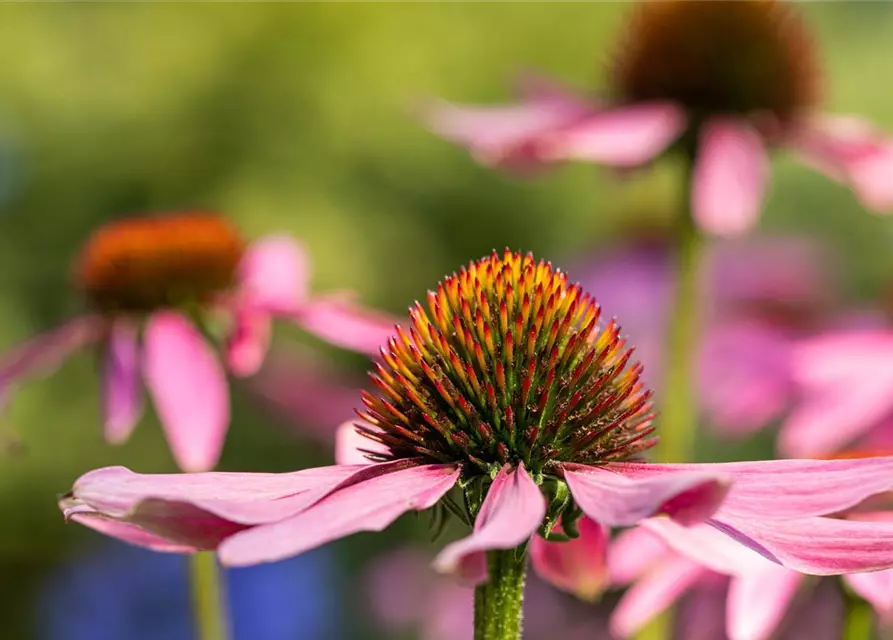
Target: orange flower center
x=718, y=57
x=142, y=264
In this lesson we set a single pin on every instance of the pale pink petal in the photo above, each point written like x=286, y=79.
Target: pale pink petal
x=345, y=324
x=847, y=381
x=351, y=445
x=122, y=385
x=44, y=353
x=817, y=546
x=616, y=500
x=367, y=505
x=633, y=552
x=653, y=594
x=730, y=177
x=243, y=498
x=512, y=512
x=626, y=136
x=850, y=150
x=876, y=587
x=758, y=600
x=494, y=134
x=274, y=274
x=130, y=533
x=708, y=547
x=189, y=389
x=248, y=342
x=577, y=566
x=785, y=488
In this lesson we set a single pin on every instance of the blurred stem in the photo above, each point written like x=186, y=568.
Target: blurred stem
x=207, y=597
x=679, y=410
x=498, y=603
x=859, y=621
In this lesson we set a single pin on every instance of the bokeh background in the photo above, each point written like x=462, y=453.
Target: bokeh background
x=299, y=118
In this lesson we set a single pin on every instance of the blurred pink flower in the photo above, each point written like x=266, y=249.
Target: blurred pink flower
x=760, y=593
x=523, y=458
x=155, y=286
x=695, y=94
x=759, y=296
x=845, y=380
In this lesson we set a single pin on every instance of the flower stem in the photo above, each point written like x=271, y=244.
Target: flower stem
x=207, y=597
x=498, y=603
x=679, y=410
x=859, y=620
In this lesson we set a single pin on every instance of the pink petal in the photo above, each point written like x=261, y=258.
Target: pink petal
x=623, y=137
x=730, y=177
x=274, y=274
x=131, y=533
x=189, y=389
x=44, y=353
x=708, y=547
x=242, y=498
x=247, y=344
x=785, y=488
x=366, y=505
x=876, y=587
x=816, y=546
x=634, y=552
x=512, y=512
x=758, y=601
x=576, y=566
x=350, y=444
x=345, y=324
x=616, y=500
x=849, y=149
x=493, y=134
x=847, y=379
x=122, y=393
x=653, y=594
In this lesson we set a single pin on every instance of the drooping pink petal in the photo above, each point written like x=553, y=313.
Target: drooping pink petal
x=343, y=323
x=248, y=342
x=634, y=552
x=351, y=445
x=130, y=533
x=758, y=600
x=368, y=505
x=122, y=385
x=243, y=498
x=653, y=594
x=577, y=566
x=44, y=353
x=274, y=274
x=494, y=134
x=616, y=500
x=512, y=512
x=189, y=389
x=730, y=177
x=626, y=136
x=785, y=488
x=850, y=150
x=815, y=545
x=847, y=383
x=876, y=587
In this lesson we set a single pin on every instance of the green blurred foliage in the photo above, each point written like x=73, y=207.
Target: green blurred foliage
x=299, y=118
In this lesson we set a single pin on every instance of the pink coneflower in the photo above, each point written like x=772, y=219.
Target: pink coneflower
x=720, y=81
x=507, y=389
x=155, y=287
